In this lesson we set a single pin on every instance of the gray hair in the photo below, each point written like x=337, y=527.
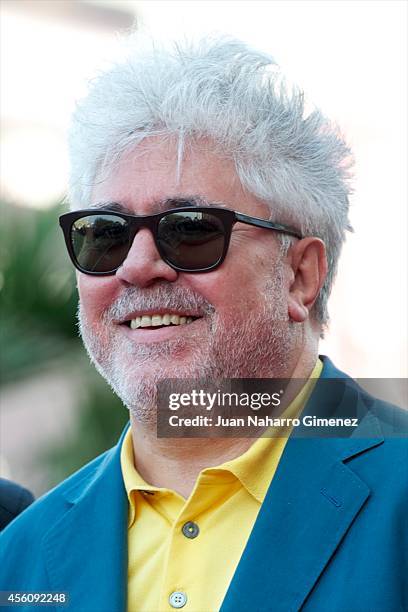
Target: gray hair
x=221, y=89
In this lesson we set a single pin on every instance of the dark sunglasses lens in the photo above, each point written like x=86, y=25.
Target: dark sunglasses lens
x=100, y=242
x=191, y=240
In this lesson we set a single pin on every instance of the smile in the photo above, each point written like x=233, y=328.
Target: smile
x=159, y=320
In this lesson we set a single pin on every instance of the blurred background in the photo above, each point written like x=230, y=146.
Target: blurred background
x=351, y=59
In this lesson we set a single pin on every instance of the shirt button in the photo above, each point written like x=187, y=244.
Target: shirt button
x=178, y=599
x=190, y=529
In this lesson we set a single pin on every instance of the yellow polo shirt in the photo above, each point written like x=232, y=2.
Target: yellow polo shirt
x=183, y=553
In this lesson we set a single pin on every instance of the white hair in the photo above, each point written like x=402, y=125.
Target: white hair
x=221, y=89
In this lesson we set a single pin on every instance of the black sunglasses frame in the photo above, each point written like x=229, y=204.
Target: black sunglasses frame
x=227, y=217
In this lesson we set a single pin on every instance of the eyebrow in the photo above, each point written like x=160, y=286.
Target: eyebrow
x=159, y=205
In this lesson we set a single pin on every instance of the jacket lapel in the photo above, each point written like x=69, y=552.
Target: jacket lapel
x=311, y=503
x=87, y=547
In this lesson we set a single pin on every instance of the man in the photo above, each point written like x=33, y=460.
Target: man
x=203, y=293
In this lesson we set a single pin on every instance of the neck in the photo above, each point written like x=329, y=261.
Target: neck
x=176, y=463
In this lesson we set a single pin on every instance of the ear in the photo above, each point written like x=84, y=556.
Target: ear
x=308, y=261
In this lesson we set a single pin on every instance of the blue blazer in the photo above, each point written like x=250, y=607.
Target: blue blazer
x=331, y=535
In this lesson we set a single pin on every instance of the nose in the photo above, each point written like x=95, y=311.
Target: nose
x=143, y=265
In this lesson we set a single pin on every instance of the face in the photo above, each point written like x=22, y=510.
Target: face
x=239, y=323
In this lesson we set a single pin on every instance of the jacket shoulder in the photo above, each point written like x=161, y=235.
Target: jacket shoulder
x=40, y=515
x=393, y=420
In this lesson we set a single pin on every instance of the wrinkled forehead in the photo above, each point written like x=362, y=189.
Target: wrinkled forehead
x=156, y=175
x=157, y=206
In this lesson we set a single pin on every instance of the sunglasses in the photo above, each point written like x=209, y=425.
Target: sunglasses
x=188, y=239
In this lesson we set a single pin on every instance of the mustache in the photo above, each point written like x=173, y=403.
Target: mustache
x=159, y=296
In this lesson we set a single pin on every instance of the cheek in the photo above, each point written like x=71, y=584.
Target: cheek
x=240, y=285
x=230, y=289
x=96, y=294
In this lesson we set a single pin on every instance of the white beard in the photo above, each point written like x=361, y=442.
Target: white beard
x=258, y=345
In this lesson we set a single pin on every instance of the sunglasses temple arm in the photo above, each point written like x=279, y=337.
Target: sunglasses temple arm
x=265, y=223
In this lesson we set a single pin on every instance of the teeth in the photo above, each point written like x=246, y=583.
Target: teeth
x=156, y=320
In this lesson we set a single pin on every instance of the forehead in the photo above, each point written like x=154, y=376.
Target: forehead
x=152, y=174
